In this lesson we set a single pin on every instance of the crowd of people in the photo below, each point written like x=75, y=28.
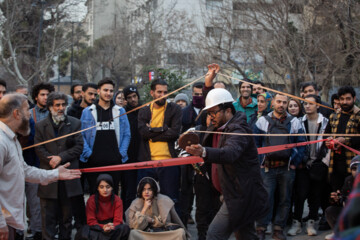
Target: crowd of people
x=236, y=190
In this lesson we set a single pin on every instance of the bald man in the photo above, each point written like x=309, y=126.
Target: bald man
x=14, y=118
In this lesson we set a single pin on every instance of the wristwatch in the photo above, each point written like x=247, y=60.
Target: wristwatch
x=203, y=154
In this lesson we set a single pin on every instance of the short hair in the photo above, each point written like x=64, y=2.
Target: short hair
x=143, y=182
x=11, y=102
x=316, y=97
x=89, y=85
x=246, y=81
x=105, y=81
x=72, y=89
x=3, y=83
x=56, y=96
x=20, y=87
x=198, y=85
x=276, y=94
x=333, y=98
x=156, y=82
x=259, y=82
x=346, y=89
x=227, y=105
x=41, y=86
x=307, y=84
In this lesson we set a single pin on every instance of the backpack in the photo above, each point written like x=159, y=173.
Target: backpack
x=275, y=127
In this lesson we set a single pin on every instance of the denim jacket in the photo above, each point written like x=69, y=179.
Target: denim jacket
x=122, y=131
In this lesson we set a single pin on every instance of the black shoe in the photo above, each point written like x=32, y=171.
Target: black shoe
x=36, y=236
x=323, y=224
x=260, y=234
x=19, y=236
x=278, y=235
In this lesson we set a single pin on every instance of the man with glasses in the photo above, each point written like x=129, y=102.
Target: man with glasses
x=235, y=169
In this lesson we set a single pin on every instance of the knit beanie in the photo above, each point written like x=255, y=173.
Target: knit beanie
x=129, y=90
x=355, y=160
x=182, y=96
x=104, y=177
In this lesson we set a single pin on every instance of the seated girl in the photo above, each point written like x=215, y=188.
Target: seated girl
x=104, y=212
x=152, y=215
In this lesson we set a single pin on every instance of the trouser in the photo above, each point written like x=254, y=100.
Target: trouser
x=220, y=227
x=91, y=178
x=56, y=211
x=78, y=210
x=306, y=188
x=332, y=213
x=33, y=202
x=169, y=181
x=337, y=177
x=281, y=179
x=12, y=233
x=128, y=187
x=187, y=192
x=207, y=204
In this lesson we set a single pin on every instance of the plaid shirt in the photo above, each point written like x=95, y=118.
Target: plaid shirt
x=351, y=128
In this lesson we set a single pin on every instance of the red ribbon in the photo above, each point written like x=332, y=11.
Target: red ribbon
x=276, y=148
x=347, y=147
x=147, y=164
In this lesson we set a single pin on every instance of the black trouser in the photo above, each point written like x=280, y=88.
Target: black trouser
x=306, y=188
x=207, y=204
x=54, y=211
x=337, y=177
x=187, y=192
x=121, y=232
x=78, y=210
x=332, y=213
x=91, y=178
x=128, y=187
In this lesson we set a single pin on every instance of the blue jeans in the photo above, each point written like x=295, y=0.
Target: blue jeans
x=283, y=179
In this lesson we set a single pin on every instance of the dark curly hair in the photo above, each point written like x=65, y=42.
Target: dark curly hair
x=41, y=86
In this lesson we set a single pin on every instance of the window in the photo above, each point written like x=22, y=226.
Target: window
x=211, y=4
x=214, y=32
x=241, y=6
x=242, y=35
x=296, y=8
x=180, y=58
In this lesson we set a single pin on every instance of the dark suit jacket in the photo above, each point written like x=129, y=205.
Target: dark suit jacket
x=69, y=149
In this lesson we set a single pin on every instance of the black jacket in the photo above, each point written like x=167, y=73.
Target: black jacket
x=133, y=149
x=172, y=126
x=69, y=149
x=239, y=173
x=75, y=110
x=188, y=118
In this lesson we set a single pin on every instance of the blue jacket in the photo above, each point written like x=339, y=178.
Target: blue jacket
x=122, y=131
x=294, y=126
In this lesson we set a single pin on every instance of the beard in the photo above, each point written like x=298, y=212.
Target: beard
x=24, y=128
x=347, y=107
x=161, y=102
x=57, y=116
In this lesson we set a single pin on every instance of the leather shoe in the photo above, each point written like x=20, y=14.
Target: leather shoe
x=278, y=235
x=260, y=234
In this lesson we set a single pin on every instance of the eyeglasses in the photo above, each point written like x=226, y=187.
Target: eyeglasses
x=213, y=114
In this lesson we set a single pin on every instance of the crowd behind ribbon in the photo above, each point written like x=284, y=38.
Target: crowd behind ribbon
x=156, y=203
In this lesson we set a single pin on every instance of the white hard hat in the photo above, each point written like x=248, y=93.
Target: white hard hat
x=217, y=96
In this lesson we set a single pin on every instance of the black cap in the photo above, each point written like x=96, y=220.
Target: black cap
x=104, y=177
x=129, y=90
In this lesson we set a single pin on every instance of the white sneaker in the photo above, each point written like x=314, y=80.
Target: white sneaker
x=310, y=228
x=329, y=236
x=268, y=229
x=295, y=228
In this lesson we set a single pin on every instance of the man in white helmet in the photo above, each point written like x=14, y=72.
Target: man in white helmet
x=235, y=169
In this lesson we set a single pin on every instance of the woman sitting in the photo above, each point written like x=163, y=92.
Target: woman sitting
x=152, y=215
x=104, y=212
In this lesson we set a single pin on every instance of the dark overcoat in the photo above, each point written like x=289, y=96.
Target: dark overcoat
x=239, y=173
x=69, y=149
